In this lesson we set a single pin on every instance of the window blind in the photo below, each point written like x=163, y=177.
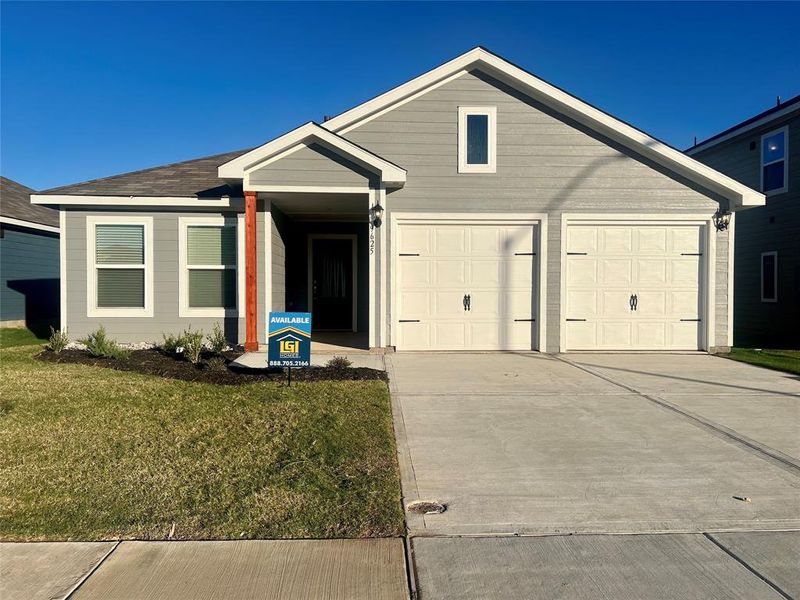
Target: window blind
x=212, y=288
x=119, y=244
x=211, y=245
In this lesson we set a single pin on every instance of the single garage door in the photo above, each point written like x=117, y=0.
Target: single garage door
x=634, y=287
x=466, y=287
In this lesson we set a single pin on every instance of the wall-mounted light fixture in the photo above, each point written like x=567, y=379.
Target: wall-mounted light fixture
x=722, y=219
x=376, y=215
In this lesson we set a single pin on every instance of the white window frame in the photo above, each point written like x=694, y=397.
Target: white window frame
x=184, y=310
x=775, y=273
x=785, y=160
x=92, y=310
x=463, y=113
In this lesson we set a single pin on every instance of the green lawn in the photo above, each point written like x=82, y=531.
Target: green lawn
x=18, y=336
x=780, y=360
x=91, y=453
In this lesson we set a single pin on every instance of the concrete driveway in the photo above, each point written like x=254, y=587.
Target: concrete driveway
x=530, y=444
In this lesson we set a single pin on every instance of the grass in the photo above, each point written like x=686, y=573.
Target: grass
x=18, y=336
x=780, y=360
x=90, y=453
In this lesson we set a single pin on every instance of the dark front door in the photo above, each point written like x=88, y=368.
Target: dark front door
x=332, y=283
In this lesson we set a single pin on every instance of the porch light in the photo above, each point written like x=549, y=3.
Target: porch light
x=721, y=219
x=376, y=214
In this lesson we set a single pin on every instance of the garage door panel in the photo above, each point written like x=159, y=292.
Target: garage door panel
x=494, y=264
x=616, y=240
x=582, y=271
x=449, y=272
x=660, y=265
x=616, y=272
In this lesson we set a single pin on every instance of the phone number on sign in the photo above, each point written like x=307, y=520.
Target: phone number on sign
x=288, y=363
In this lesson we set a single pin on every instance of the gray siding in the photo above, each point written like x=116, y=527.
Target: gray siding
x=545, y=164
x=29, y=277
x=773, y=227
x=279, y=231
x=313, y=165
x=165, y=317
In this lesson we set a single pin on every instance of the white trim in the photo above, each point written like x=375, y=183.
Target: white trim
x=136, y=201
x=491, y=139
x=731, y=258
x=268, y=222
x=62, y=269
x=384, y=242
x=184, y=310
x=312, y=133
x=565, y=103
x=707, y=282
x=372, y=259
x=778, y=114
x=775, y=272
x=28, y=224
x=499, y=218
x=785, y=160
x=303, y=189
x=92, y=310
x=310, y=275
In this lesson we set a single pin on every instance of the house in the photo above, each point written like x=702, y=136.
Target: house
x=28, y=260
x=763, y=153
x=475, y=207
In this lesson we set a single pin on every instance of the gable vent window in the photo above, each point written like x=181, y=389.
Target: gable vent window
x=769, y=277
x=774, y=159
x=477, y=139
x=120, y=264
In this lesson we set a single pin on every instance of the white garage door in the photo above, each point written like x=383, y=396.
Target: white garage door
x=634, y=287
x=466, y=287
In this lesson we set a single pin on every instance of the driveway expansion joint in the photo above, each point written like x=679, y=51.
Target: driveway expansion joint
x=769, y=454
x=92, y=571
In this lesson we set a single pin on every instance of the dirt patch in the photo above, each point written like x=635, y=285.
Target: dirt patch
x=211, y=369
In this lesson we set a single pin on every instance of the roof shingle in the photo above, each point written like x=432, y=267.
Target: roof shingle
x=195, y=178
x=15, y=203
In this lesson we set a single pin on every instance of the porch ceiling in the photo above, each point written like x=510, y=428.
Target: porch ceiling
x=329, y=207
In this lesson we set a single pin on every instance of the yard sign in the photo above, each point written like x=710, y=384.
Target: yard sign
x=289, y=339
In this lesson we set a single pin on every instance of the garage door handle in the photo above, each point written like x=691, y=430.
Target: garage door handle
x=467, y=301
x=634, y=301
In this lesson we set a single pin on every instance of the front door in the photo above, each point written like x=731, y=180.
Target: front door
x=332, y=283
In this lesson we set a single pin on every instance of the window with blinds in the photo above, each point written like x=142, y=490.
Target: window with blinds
x=211, y=266
x=120, y=265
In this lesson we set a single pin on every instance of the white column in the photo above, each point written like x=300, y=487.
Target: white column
x=267, y=306
x=384, y=266
x=373, y=255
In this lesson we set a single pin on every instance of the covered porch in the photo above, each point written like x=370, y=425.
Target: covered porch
x=318, y=201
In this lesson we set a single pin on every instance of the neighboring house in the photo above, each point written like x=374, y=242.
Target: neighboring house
x=475, y=207
x=764, y=153
x=29, y=267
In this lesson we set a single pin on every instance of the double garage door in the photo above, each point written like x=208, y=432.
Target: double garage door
x=475, y=287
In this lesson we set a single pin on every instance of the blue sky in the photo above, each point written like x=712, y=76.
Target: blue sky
x=94, y=89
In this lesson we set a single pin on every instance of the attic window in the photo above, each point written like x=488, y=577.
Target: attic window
x=774, y=159
x=477, y=139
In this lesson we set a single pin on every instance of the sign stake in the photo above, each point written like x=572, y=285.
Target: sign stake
x=289, y=376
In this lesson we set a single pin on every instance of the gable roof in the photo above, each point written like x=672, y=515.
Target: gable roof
x=762, y=118
x=637, y=140
x=191, y=178
x=303, y=136
x=15, y=203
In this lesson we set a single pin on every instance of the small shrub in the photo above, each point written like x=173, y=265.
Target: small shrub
x=192, y=345
x=217, y=364
x=216, y=340
x=171, y=343
x=58, y=340
x=339, y=362
x=99, y=344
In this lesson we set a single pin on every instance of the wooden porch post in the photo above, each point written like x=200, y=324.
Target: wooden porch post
x=251, y=318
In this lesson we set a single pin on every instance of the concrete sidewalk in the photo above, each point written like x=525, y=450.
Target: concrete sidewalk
x=263, y=569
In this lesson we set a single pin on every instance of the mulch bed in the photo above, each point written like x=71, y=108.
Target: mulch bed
x=211, y=369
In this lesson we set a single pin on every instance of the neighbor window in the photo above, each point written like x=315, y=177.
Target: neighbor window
x=209, y=278
x=120, y=266
x=769, y=277
x=477, y=139
x=774, y=161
